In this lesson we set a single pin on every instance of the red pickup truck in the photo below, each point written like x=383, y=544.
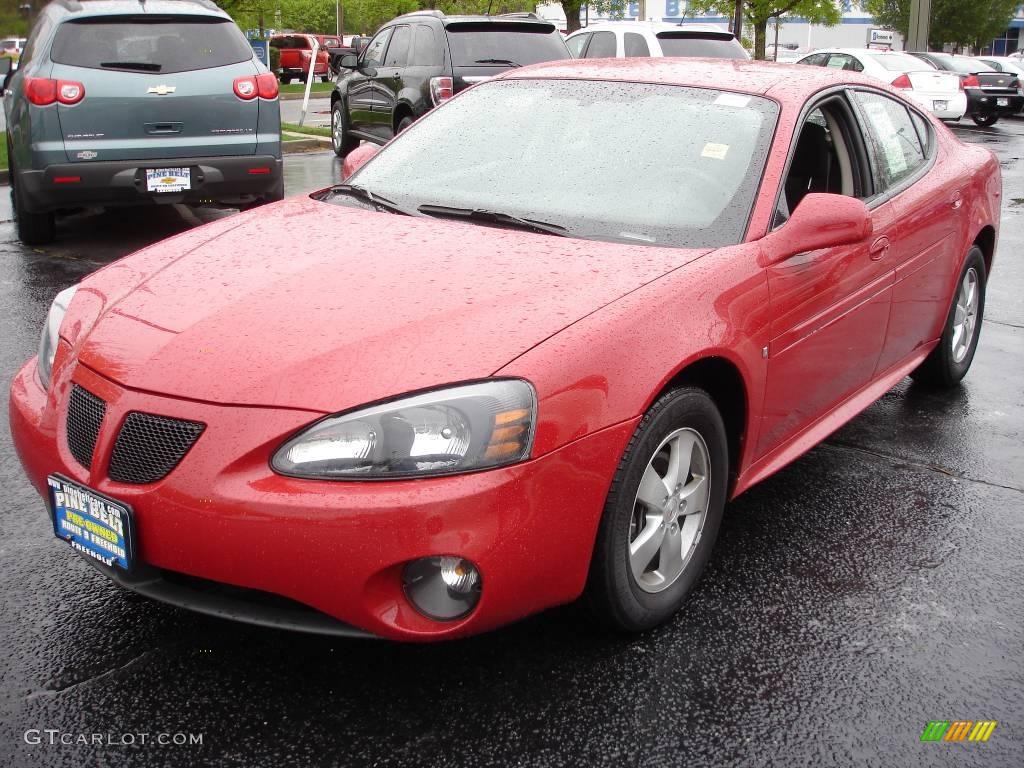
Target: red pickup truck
x=296, y=51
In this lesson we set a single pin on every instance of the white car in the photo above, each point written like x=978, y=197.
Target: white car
x=936, y=91
x=1010, y=64
x=628, y=39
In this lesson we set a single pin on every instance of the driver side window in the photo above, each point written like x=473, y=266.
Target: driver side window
x=373, y=55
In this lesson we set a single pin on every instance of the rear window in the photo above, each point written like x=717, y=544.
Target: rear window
x=291, y=42
x=965, y=65
x=332, y=42
x=706, y=45
x=899, y=62
x=481, y=43
x=150, y=44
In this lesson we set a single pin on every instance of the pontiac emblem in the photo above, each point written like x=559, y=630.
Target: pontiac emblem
x=162, y=90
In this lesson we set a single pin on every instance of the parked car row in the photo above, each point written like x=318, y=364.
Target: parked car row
x=113, y=105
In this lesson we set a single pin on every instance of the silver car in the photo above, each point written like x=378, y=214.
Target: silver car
x=126, y=102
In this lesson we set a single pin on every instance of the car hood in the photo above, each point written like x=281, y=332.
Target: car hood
x=316, y=306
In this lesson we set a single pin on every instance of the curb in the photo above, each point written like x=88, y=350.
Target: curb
x=313, y=96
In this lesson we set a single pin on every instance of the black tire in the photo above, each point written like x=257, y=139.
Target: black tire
x=404, y=123
x=986, y=119
x=285, y=80
x=324, y=78
x=613, y=595
x=941, y=369
x=33, y=228
x=346, y=143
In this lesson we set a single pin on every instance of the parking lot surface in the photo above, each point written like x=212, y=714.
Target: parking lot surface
x=874, y=585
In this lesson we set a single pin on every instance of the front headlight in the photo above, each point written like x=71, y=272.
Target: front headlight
x=458, y=429
x=50, y=335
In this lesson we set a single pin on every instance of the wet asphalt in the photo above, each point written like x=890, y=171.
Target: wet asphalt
x=874, y=585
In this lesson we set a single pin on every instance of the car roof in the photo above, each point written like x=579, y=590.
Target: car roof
x=87, y=8
x=740, y=75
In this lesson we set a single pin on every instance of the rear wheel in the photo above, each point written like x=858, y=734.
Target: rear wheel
x=986, y=119
x=285, y=80
x=662, y=514
x=404, y=123
x=340, y=139
x=949, y=362
x=324, y=78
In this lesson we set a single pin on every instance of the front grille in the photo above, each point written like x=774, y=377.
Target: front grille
x=148, y=447
x=85, y=414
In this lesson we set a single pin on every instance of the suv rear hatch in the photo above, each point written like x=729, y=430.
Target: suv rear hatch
x=155, y=87
x=483, y=49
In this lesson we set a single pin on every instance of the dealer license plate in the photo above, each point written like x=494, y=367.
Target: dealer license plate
x=168, y=179
x=1002, y=102
x=940, y=106
x=94, y=524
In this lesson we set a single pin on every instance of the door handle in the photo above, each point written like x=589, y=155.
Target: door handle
x=957, y=201
x=879, y=248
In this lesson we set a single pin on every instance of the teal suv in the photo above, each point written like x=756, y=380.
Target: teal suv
x=121, y=102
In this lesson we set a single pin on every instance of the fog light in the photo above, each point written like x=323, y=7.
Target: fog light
x=443, y=587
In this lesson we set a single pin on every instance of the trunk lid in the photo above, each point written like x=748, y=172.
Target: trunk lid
x=155, y=87
x=929, y=81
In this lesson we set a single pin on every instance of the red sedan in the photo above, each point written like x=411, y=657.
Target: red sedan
x=597, y=301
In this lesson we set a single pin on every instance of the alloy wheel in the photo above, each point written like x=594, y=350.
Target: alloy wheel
x=965, y=316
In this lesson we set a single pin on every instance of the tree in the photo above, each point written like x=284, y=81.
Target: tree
x=758, y=13
x=952, y=21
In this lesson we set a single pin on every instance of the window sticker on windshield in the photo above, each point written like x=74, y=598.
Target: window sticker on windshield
x=715, y=151
x=732, y=100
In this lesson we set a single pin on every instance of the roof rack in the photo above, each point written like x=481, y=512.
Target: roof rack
x=426, y=12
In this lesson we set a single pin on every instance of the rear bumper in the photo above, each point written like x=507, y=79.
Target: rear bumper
x=955, y=103
x=241, y=179
x=979, y=101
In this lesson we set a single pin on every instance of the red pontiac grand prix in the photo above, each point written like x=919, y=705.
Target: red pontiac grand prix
x=596, y=301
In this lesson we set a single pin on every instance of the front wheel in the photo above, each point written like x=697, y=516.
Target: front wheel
x=340, y=139
x=662, y=514
x=985, y=120
x=949, y=362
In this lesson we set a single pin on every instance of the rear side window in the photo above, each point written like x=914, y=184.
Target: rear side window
x=814, y=60
x=635, y=45
x=164, y=44
x=576, y=44
x=398, y=51
x=602, y=46
x=474, y=43
x=706, y=45
x=425, y=50
x=893, y=141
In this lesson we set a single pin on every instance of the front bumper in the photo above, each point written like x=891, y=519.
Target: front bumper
x=215, y=180
x=338, y=547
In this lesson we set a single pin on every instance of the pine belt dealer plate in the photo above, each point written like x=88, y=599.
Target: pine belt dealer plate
x=93, y=524
x=168, y=179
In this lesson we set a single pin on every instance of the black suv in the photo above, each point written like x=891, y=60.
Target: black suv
x=421, y=59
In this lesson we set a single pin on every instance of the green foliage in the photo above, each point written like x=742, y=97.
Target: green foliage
x=952, y=21
x=758, y=13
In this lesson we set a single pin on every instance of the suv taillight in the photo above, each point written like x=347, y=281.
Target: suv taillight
x=969, y=82
x=42, y=91
x=902, y=82
x=441, y=89
x=264, y=86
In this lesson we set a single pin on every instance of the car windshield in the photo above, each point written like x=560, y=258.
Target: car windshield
x=707, y=45
x=163, y=44
x=489, y=42
x=900, y=62
x=650, y=164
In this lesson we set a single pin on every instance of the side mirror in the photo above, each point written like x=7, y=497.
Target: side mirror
x=357, y=158
x=349, y=61
x=819, y=221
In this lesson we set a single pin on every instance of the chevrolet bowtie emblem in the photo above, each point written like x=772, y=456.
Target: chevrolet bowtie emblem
x=162, y=90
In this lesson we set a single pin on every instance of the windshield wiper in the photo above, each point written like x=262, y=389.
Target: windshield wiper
x=145, y=66
x=498, y=61
x=362, y=193
x=493, y=217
